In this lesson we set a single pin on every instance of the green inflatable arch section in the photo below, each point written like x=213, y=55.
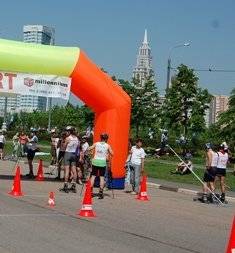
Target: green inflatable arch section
x=35, y=58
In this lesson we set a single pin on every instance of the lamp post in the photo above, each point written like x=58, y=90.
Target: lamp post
x=169, y=63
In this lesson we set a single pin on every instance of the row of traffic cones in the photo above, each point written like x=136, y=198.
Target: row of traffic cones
x=87, y=211
x=16, y=188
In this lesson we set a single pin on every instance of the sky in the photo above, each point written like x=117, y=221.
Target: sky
x=111, y=32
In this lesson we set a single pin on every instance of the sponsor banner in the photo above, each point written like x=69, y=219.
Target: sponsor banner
x=12, y=83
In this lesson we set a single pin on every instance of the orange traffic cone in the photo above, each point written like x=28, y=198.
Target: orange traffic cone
x=143, y=190
x=16, y=188
x=51, y=200
x=86, y=210
x=40, y=175
x=231, y=243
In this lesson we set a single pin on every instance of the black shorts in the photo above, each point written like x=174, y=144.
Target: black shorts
x=220, y=172
x=30, y=154
x=1, y=145
x=209, y=175
x=98, y=171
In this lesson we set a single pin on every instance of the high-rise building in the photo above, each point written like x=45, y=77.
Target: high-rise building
x=39, y=34
x=218, y=105
x=143, y=68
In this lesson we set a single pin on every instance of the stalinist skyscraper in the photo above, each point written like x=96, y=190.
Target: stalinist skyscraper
x=143, y=68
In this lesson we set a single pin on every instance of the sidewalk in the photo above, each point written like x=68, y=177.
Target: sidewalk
x=182, y=187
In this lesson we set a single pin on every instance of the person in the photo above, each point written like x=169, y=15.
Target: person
x=102, y=152
x=221, y=170
x=127, y=166
x=54, y=142
x=136, y=165
x=71, y=143
x=78, y=164
x=32, y=147
x=23, y=138
x=61, y=145
x=2, y=144
x=164, y=140
x=210, y=173
x=84, y=157
x=184, y=168
x=15, y=142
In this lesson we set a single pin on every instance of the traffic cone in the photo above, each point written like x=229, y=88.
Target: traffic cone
x=231, y=243
x=86, y=210
x=143, y=190
x=16, y=187
x=51, y=200
x=40, y=175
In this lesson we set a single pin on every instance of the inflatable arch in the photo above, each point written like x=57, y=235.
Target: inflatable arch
x=95, y=88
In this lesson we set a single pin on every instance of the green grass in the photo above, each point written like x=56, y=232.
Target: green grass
x=156, y=169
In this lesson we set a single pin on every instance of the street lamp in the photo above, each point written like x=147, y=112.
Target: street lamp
x=169, y=63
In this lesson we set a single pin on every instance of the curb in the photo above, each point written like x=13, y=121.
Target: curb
x=181, y=190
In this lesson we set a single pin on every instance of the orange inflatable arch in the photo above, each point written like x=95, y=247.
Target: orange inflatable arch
x=89, y=83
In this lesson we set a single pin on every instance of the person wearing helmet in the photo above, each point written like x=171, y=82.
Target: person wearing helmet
x=102, y=150
x=210, y=173
x=221, y=169
x=71, y=143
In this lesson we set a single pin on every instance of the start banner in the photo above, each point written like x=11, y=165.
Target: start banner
x=12, y=83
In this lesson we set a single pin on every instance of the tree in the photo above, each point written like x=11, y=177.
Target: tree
x=145, y=103
x=185, y=103
x=226, y=121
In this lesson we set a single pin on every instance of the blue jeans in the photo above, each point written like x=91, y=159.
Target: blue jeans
x=135, y=170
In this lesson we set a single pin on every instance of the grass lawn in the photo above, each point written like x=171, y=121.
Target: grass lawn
x=156, y=169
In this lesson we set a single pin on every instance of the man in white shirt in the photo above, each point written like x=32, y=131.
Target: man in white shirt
x=137, y=165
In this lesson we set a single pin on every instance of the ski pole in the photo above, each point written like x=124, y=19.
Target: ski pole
x=199, y=179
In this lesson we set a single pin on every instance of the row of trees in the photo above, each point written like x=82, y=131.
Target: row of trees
x=181, y=113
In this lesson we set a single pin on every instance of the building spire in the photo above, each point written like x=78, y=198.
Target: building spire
x=145, y=37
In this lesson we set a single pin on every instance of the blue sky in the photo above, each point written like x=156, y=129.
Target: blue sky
x=111, y=31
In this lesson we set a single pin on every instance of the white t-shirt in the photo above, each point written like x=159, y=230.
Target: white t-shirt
x=2, y=138
x=101, y=153
x=72, y=144
x=214, y=161
x=136, y=155
x=222, y=160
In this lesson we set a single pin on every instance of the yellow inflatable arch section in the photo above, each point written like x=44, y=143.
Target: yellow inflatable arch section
x=95, y=88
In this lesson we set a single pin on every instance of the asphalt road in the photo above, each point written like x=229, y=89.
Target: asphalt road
x=169, y=222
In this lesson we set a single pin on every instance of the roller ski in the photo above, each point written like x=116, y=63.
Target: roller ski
x=203, y=199
x=65, y=188
x=211, y=199
x=73, y=188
